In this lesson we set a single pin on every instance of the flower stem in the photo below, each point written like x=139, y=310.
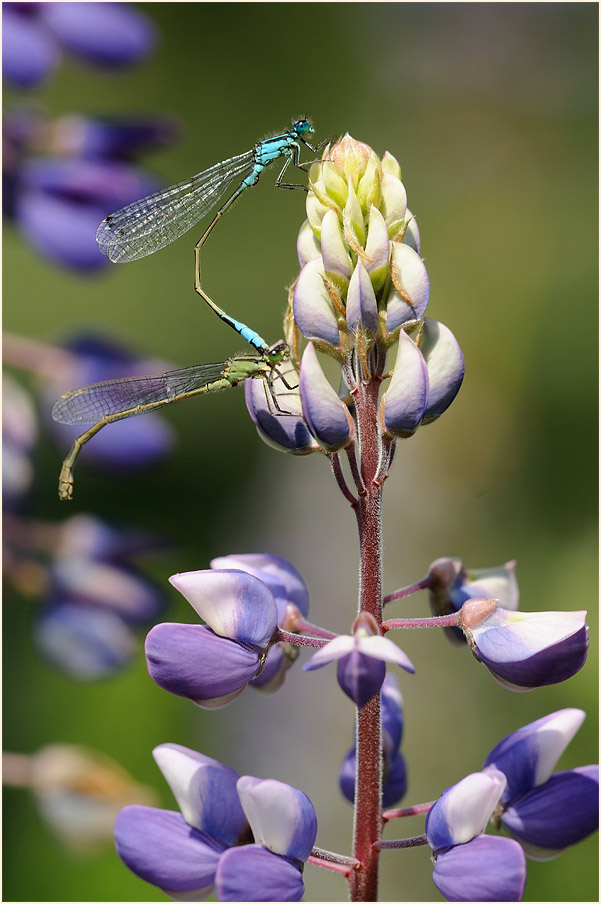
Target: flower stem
x=407, y=811
x=424, y=584
x=396, y=843
x=436, y=621
x=368, y=781
x=300, y=640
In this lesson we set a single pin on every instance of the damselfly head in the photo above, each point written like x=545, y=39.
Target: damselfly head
x=278, y=351
x=303, y=126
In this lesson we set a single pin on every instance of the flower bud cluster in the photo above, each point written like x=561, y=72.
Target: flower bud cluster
x=362, y=289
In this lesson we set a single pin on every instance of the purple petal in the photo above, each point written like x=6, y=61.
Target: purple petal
x=61, y=229
x=281, y=817
x=446, y=367
x=325, y=413
x=392, y=714
x=406, y=397
x=360, y=677
x=108, y=34
x=234, y=604
x=275, y=571
x=205, y=791
x=30, y=52
x=463, y=810
x=286, y=432
x=191, y=661
x=105, y=184
x=528, y=756
x=160, y=847
x=86, y=642
x=534, y=649
x=382, y=648
x=562, y=811
x=486, y=869
x=313, y=310
x=333, y=650
x=346, y=776
x=115, y=137
x=409, y=275
x=252, y=873
x=112, y=586
x=394, y=781
x=307, y=245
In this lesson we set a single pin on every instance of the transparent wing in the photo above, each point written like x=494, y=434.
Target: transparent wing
x=147, y=225
x=89, y=404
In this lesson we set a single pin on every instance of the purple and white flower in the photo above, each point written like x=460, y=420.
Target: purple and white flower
x=211, y=664
x=244, y=837
x=524, y=650
x=470, y=866
x=546, y=811
x=361, y=659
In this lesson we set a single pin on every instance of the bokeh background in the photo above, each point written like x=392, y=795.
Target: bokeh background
x=492, y=111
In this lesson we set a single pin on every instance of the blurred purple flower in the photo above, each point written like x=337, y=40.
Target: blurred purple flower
x=58, y=203
x=95, y=600
x=19, y=433
x=34, y=36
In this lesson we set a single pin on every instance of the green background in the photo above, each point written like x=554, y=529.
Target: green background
x=492, y=111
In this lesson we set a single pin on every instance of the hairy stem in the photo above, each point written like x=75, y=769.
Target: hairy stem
x=368, y=782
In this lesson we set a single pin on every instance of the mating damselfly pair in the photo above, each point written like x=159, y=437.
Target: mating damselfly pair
x=146, y=226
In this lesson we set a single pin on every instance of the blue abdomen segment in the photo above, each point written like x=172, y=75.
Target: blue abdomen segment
x=251, y=336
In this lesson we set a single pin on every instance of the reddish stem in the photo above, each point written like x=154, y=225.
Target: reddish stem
x=424, y=584
x=368, y=781
x=300, y=640
x=396, y=843
x=417, y=810
x=330, y=860
x=436, y=621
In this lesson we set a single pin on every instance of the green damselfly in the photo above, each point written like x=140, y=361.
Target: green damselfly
x=112, y=400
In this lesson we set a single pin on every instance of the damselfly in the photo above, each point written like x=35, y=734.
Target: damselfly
x=112, y=400
x=146, y=226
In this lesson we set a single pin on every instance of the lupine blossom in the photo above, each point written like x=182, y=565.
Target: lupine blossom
x=470, y=866
x=361, y=659
x=524, y=650
x=545, y=810
x=244, y=837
